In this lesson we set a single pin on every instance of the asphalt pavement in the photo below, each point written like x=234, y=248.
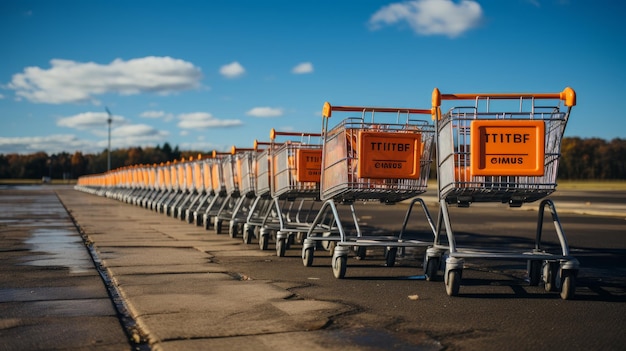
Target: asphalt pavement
x=83, y=272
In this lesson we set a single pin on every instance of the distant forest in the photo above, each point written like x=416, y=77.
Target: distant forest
x=581, y=159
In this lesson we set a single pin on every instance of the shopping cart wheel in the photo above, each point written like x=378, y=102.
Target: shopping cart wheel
x=453, y=282
x=264, y=238
x=534, y=272
x=300, y=237
x=291, y=239
x=390, y=256
x=308, y=253
x=281, y=246
x=431, y=267
x=233, y=229
x=550, y=272
x=339, y=266
x=207, y=221
x=248, y=233
x=361, y=252
x=568, y=284
x=218, y=225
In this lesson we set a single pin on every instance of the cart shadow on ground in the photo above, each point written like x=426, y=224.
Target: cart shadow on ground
x=602, y=275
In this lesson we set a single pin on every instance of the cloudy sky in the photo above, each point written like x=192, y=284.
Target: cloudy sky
x=207, y=75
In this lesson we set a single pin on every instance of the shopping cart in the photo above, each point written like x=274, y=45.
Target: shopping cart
x=161, y=188
x=193, y=186
x=293, y=171
x=235, y=167
x=219, y=187
x=149, y=172
x=157, y=186
x=210, y=188
x=197, y=182
x=169, y=173
x=486, y=155
x=260, y=215
x=369, y=160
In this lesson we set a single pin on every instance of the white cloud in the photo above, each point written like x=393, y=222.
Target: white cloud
x=203, y=120
x=303, y=68
x=73, y=82
x=265, y=112
x=1, y=96
x=431, y=17
x=157, y=115
x=135, y=130
x=132, y=135
x=51, y=144
x=232, y=70
x=88, y=120
x=121, y=137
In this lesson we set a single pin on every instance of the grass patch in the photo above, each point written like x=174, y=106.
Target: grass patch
x=591, y=185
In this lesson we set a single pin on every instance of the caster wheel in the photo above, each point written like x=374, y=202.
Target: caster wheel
x=361, y=252
x=431, y=268
x=281, y=247
x=300, y=238
x=263, y=241
x=207, y=222
x=550, y=272
x=233, y=229
x=218, y=226
x=568, y=284
x=307, y=256
x=339, y=266
x=248, y=233
x=453, y=283
x=390, y=256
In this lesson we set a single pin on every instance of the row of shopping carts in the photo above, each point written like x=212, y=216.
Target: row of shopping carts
x=287, y=190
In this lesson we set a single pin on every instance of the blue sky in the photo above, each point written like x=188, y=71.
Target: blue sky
x=207, y=75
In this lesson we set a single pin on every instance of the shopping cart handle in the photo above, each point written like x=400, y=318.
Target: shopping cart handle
x=328, y=108
x=235, y=149
x=257, y=144
x=274, y=133
x=568, y=95
x=216, y=153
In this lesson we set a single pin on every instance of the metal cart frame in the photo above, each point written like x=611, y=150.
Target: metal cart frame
x=370, y=161
x=485, y=155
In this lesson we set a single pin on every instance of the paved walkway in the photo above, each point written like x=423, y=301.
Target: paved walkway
x=167, y=287
x=161, y=269
x=51, y=296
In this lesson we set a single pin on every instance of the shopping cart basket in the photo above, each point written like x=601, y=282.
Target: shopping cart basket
x=485, y=155
x=369, y=160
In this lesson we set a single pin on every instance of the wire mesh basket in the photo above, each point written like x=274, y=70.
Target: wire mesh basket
x=486, y=155
x=363, y=160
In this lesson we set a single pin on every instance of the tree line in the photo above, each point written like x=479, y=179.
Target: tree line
x=581, y=159
x=71, y=166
